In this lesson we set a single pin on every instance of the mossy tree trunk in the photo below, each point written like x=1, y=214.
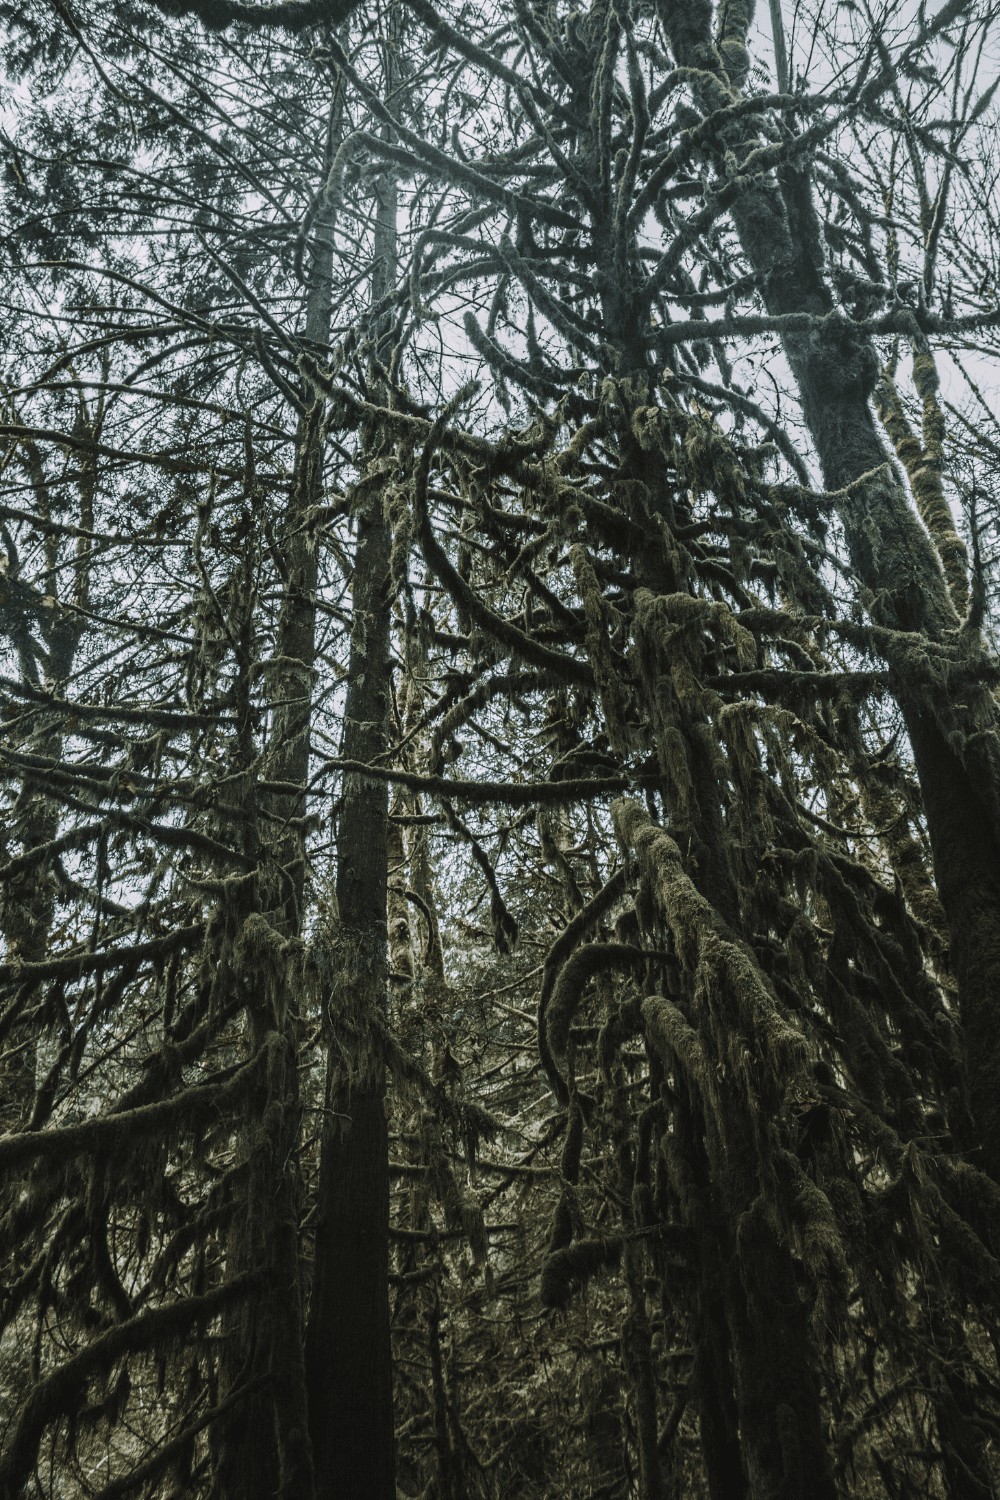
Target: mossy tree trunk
x=836, y=370
x=348, y=1353
x=265, y=1446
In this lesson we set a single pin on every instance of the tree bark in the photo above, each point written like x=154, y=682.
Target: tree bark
x=348, y=1351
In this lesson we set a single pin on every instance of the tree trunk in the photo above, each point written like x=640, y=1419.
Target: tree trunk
x=265, y=1448
x=348, y=1352
x=954, y=744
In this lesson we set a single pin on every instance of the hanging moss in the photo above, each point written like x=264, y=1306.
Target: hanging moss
x=619, y=711
x=724, y=971
x=924, y=463
x=675, y=1039
x=817, y=1231
x=569, y=1270
x=569, y=988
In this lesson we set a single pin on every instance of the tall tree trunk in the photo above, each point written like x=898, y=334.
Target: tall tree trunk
x=265, y=1449
x=348, y=1355
x=896, y=559
x=955, y=746
x=348, y=1344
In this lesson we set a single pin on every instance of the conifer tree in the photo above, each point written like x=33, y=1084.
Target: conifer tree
x=501, y=744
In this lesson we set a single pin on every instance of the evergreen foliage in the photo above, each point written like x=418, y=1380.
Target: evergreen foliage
x=500, y=762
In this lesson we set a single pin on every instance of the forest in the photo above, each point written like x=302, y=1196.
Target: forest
x=499, y=750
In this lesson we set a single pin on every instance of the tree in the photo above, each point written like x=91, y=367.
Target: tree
x=348, y=1347
x=661, y=640
x=247, y=632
